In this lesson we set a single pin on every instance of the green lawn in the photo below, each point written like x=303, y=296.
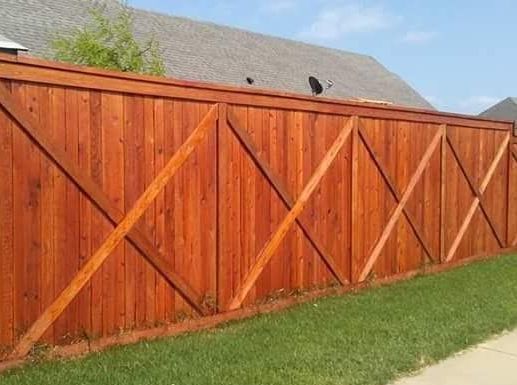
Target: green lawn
x=369, y=338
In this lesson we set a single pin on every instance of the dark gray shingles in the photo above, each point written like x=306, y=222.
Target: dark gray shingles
x=208, y=52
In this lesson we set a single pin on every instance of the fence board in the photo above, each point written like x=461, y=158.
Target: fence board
x=7, y=260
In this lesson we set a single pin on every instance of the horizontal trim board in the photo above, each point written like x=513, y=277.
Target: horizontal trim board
x=40, y=71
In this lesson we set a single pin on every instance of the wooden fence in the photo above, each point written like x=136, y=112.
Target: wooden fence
x=129, y=202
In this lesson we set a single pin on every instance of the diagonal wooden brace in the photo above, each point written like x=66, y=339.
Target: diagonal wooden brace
x=137, y=236
x=477, y=200
x=395, y=192
x=400, y=207
x=274, y=241
x=122, y=229
x=282, y=192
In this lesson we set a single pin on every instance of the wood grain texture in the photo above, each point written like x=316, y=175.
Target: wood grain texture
x=284, y=195
x=100, y=198
x=7, y=260
x=79, y=146
x=110, y=244
x=478, y=195
x=270, y=247
x=443, y=192
x=400, y=207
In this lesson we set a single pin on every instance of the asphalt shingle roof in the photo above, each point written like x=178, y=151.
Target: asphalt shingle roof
x=506, y=109
x=204, y=51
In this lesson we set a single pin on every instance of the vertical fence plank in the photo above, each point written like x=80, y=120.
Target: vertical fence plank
x=443, y=195
x=234, y=206
x=149, y=281
x=133, y=188
x=278, y=264
x=27, y=217
x=6, y=231
x=354, y=205
x=174, y=227
x=223, y=290
x=513, y=192
x=98, y=223
x=47, y=212
x=85, y=210
x=162, y=289
x=509, y=195
x=179, y=198
x=209, y=165
x=58, y=122
x=72, y=261
x=252, y=201
x=113, y=285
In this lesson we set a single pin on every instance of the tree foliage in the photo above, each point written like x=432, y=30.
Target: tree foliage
x=108, y=41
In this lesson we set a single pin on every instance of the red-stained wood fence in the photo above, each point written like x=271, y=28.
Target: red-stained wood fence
x=129, y=202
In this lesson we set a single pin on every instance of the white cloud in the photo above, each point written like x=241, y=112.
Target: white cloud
x=418, y=37
x=477, y=104
x=278, y=6
x=333, y=23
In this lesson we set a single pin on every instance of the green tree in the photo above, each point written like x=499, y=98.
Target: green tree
x=108, y=42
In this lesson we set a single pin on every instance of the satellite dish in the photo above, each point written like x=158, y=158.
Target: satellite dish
x=250, y=80
x=316, y=86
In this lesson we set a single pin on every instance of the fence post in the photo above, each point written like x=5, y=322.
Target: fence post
x=221, y=125
x=354, y=183
x=443, y=178
x=508, y=186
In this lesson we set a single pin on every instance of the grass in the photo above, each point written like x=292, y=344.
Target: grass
x=370, y=337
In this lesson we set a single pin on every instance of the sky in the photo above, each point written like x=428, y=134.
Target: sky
x=460, y=55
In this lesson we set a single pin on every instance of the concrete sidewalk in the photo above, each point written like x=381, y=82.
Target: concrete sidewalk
x=491, y=363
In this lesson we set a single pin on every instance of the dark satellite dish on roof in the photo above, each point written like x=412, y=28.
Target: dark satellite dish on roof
x=250, y=80
x=316, y=86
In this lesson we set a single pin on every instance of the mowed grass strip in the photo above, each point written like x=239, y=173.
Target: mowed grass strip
x=370, y=337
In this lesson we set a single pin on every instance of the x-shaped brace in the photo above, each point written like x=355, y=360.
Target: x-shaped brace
x=401, y=200
x=478, y=199
x=284, y=195
x=125, y=224
x=296, y=208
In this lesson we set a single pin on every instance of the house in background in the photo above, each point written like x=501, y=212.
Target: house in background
x=202, y=51
x=506, y=109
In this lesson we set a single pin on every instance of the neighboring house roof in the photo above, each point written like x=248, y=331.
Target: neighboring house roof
x=7, y=44
x=203, y=51
x=506, y=109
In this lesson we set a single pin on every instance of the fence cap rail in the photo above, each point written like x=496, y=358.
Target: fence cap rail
x=197, y=90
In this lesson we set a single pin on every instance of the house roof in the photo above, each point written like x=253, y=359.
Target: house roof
x=6, y=43
x=204, y=51
x=505, y=109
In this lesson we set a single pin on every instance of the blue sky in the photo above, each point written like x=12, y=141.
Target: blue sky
x=460, y=55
